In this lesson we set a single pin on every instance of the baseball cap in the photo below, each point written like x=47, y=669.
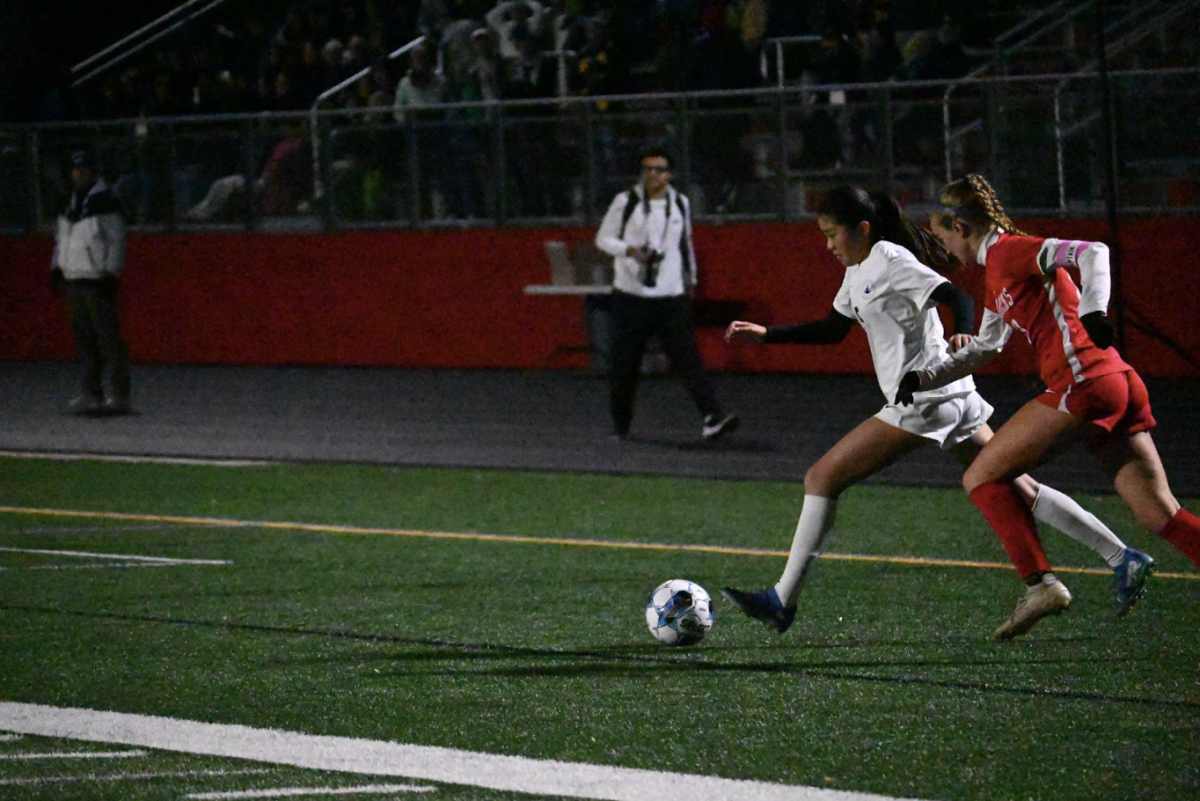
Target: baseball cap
x=81, y=158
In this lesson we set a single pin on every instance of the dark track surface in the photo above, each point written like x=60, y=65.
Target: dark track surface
x=552, y=420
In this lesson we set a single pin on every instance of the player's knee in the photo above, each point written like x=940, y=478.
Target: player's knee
x=978, y=473
x=819, y=480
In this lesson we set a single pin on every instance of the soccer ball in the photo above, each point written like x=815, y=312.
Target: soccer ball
x=679, y=612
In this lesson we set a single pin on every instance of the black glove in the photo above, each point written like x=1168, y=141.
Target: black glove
x=910, y=383
x=1098, y=329
x=57, y=282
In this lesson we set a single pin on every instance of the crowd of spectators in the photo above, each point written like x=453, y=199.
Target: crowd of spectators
x=392, y=148
x=276, y=55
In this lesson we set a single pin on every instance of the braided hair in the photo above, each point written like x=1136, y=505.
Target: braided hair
x=973, y=201
x=851, y=205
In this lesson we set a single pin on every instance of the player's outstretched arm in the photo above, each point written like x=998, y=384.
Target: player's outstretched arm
x=742, y=331
x=830, y=331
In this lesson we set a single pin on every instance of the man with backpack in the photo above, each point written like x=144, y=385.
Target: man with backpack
x=648, y=232
x=89, y=255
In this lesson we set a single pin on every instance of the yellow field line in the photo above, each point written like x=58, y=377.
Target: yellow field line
x=324, y=528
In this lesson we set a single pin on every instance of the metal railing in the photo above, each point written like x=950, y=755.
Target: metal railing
x=314, y=119
x=1041, y=21
x=1057, y=19
x=761, y=154
x=560, y=57
x=1169, y=14
x=119, y=50
x=777, y=44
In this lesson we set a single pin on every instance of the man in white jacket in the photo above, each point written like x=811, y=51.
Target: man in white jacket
x=89, y=254
x=648, y=232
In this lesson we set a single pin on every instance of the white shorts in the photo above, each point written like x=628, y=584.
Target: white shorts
x=947, y=422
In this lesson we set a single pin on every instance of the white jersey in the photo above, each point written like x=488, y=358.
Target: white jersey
x=888, y=293
x=666, y=229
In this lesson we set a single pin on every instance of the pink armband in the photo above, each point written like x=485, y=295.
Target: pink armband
x=1069, y=252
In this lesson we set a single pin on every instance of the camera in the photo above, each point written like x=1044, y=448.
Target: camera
x=649, y=270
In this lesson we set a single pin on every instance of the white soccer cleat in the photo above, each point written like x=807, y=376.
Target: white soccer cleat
x=716, y=426
x=1050, y=597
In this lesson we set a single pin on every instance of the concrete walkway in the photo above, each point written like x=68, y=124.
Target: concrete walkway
x=547, y=420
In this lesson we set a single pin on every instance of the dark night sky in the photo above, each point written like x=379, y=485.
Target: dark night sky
x=40, y=39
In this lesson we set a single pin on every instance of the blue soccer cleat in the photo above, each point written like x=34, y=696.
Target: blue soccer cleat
x=763, y=605
x=1131, y=574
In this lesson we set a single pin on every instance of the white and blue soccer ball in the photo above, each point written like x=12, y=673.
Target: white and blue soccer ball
x=679, y=612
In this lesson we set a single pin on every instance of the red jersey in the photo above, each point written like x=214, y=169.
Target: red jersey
x=1044, y=306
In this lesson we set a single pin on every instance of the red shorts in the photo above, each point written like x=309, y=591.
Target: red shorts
x=1117, y=402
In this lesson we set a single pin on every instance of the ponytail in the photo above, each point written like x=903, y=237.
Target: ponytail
x=973, y=201
x=850, y=205
x=896, y=226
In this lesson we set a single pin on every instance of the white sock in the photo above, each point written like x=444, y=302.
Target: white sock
x=816, y=518
x=1057, y=510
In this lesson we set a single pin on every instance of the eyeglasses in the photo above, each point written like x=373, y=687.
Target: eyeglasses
x=655, y=169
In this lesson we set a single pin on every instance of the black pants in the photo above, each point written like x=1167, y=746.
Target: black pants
x=634, y=321
x=93, y=306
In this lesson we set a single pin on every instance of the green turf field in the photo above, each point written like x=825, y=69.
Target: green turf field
x=340, y=600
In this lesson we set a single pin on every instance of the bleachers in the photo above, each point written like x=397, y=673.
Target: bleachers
x=766, y=153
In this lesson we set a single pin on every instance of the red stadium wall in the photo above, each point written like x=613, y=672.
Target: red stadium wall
x=454, y=298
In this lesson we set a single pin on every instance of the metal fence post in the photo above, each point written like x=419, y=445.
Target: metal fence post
x=589, y=183
x=414, y=170
x=1058, y=151
x=501, y=177
x=889, y=137
x=781, y=153
x=249, y=207
x=685, y=150
x=173, y=185
x=36, y=172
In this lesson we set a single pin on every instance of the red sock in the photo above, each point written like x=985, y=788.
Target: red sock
x=1013, y=523
x=1183, y=531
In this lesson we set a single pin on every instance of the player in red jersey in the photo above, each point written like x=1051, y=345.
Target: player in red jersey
x=1091, y=393
x=891, y=291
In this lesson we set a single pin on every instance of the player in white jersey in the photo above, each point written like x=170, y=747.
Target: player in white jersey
x=890, y=292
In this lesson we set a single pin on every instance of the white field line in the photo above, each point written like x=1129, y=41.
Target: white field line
x=105, y=566
x=96, y=529
x=289, y=792
x=74, y=755
x=104, y=457
x=381, y=758
x=129, y=777
x=575, y=542
x=10, y=738
x=161, y=560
